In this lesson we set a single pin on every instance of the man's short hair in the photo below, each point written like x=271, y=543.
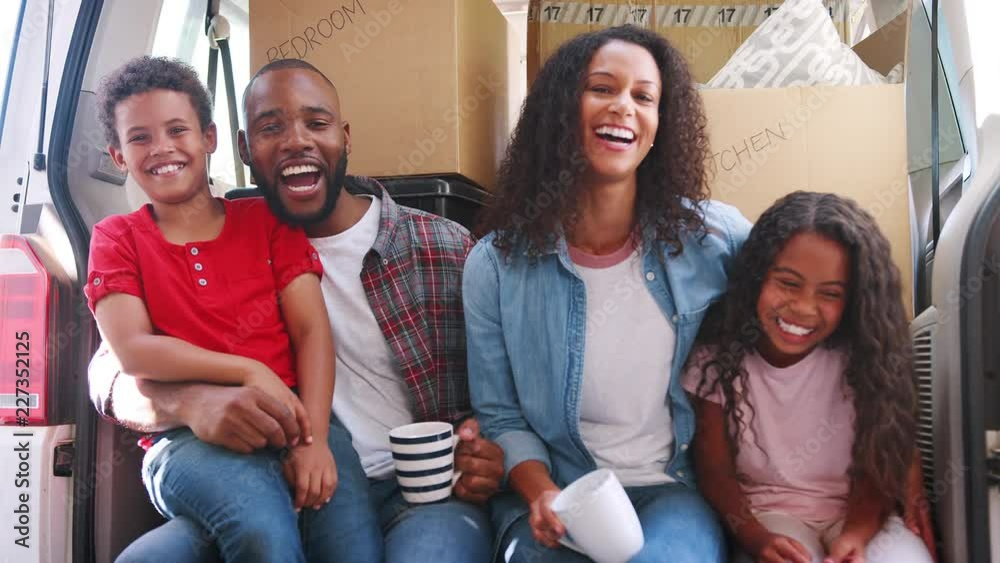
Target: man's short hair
x=280, y=64
x=144, y=74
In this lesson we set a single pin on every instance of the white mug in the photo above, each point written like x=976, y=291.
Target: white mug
x=600, y=520
x=424, y=455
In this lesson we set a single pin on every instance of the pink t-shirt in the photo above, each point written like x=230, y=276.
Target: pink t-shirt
x=805, y=423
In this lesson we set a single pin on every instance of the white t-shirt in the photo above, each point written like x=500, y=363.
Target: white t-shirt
x=370, y=397
x=625, y=419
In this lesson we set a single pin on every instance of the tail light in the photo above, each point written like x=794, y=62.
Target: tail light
x=29, y=319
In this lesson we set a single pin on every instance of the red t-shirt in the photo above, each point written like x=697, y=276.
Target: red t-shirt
x=222, y=294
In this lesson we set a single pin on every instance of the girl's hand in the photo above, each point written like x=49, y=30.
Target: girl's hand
x=266, y=380
x=776, y=548
x=847, y=548
x=545, y=525
x=312, y=472
x=917, y=514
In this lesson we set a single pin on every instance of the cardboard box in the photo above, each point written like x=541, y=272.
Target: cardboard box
x=423, y=83
x=550, y=24
x=707, y=32
x=848, y=140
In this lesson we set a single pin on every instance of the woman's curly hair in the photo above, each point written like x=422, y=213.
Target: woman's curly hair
x=144, y=74
x=538, y=181
x=873, y=333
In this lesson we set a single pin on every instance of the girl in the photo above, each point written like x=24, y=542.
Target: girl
x=193, y=288
x=804, y=401
x=583, y=301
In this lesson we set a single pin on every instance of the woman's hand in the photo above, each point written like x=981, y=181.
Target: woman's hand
x=776, y=548
x=261, y=377
x=545, y=525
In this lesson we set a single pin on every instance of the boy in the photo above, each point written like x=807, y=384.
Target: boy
x=193, y=288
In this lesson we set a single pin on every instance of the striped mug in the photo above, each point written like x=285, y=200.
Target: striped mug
x=424, y=455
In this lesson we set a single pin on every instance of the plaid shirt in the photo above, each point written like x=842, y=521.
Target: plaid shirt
x=413, y=279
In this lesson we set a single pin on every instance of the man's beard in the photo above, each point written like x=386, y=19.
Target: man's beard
x=334, y=183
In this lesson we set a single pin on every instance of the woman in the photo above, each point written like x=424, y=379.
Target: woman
x=583, y=300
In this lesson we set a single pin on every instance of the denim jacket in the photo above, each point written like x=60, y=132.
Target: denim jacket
x=525, y=332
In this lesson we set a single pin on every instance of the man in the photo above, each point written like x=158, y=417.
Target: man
x=393, y=291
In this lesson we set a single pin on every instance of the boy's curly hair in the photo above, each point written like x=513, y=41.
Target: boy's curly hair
x=873, y=333
x=538, y=186
x=143, y=74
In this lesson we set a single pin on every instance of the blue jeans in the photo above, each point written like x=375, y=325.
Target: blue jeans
x=242, y=504
x=679, y=526
x=180, y=540
x=448, y=532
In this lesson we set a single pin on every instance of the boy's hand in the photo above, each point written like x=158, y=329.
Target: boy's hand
x=312, y=473
x=266, y=380
x=847, y=548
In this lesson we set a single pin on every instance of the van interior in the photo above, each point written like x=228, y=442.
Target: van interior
x=56, y=181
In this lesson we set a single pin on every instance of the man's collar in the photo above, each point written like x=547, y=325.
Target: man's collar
x=363, y=185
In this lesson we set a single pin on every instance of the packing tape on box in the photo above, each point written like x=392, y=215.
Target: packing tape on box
x=672, y=15
x=744, y=15
x=587, y=13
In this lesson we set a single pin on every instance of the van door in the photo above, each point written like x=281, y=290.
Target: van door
x=45, y=330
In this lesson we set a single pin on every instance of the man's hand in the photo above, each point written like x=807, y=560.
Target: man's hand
x=481, y=463
x=847, y=548
x=312, y=473
x=242, y=419
x=266, y=380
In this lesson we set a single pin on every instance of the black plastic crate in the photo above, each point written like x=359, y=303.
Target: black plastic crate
x=449, y=197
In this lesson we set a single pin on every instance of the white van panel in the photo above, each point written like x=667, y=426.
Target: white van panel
x=24, y=106
x=34, y=531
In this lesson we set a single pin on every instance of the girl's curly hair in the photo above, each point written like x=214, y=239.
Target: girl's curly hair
x=873, y=333
x=538, y=181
